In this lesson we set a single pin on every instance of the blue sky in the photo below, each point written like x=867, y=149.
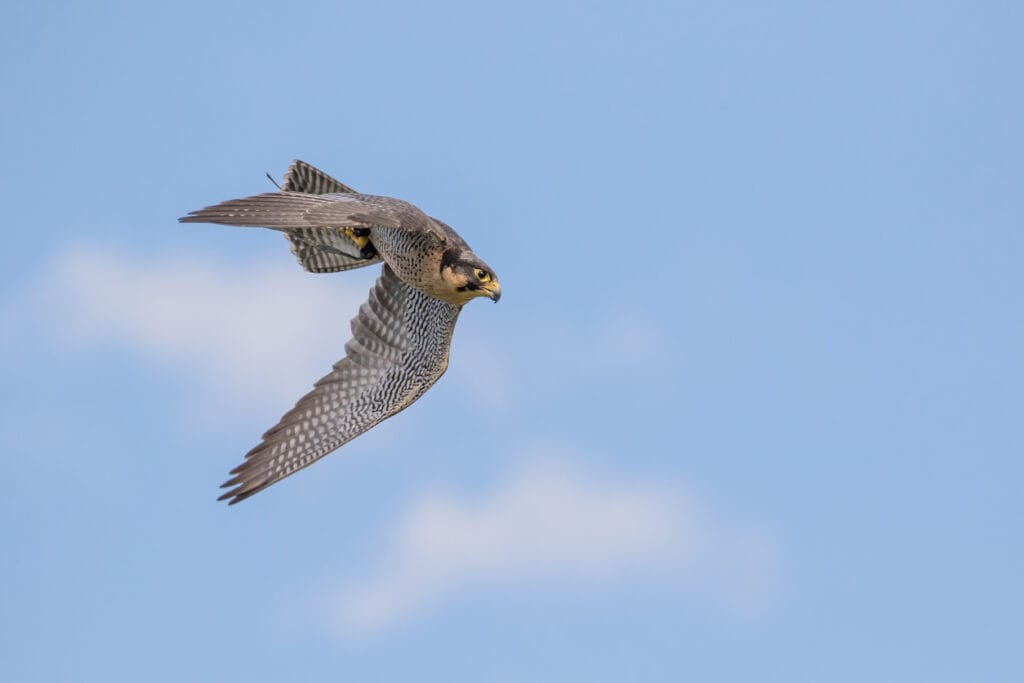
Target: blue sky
x=749, y=409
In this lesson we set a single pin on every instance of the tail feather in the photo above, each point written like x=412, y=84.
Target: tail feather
x=302, y=177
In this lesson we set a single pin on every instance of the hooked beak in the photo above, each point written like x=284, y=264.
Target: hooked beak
x=493, y=290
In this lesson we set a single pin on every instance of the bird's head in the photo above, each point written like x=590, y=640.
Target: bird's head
x=468, y=276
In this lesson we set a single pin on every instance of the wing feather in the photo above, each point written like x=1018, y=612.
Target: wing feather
x=399, y=348
x=300, y=211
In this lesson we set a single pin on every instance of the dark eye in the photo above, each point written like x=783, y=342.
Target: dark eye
x=482, y=275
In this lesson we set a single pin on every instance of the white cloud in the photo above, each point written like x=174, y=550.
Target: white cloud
x=245, y=332
x=550, y=523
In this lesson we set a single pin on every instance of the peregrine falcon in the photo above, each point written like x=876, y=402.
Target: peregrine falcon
x=401, y=335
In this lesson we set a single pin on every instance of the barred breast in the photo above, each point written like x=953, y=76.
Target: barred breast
x=414, y=256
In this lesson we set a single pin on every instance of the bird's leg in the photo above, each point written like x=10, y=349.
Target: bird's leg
x=361, y=238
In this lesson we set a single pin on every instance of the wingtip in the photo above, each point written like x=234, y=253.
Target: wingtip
x=233, y=494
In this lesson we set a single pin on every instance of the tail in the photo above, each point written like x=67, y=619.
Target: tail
x=301, y=177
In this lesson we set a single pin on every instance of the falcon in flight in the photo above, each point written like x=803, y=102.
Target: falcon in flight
x=401, y=335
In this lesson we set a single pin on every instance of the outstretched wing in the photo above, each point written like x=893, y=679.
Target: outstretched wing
x=323, y=251
x=300, y=211
x=399, y=348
